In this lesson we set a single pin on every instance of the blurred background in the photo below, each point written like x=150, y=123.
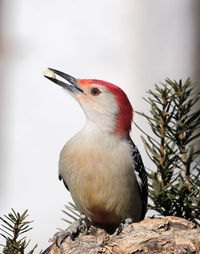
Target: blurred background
x=131, y=43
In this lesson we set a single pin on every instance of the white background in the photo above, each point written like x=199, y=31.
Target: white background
x=131, y=43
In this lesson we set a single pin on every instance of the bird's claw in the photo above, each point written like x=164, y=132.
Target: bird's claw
x=84, y=224
x=124, y=224
x=81, y=225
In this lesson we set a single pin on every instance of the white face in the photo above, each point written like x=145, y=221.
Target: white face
x=99, y=105
x=105, y=105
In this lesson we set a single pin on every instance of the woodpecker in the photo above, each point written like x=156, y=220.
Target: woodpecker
x=101, y=166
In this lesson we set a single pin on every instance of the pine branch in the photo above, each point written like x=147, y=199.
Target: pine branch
x=175, y=124
x=13, y=226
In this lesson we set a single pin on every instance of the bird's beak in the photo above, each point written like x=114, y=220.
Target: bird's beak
x=72, y=86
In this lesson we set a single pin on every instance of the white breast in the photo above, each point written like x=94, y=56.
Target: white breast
x=98, y=170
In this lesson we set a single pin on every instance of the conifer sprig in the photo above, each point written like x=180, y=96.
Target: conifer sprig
x=174, y=118
x=12, y=227
x=71, y=212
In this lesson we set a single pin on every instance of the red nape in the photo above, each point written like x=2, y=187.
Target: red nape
x=125, y=115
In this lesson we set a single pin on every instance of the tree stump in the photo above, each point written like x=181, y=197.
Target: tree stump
x=158, y=235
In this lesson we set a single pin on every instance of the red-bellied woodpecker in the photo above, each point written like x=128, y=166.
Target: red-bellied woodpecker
x=100, y=165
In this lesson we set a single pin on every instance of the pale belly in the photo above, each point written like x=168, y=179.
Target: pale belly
x=100, y=175
x=103, y=188
x=107, y=199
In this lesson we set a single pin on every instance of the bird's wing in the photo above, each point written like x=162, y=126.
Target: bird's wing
x=141, y=175
x=60, y=178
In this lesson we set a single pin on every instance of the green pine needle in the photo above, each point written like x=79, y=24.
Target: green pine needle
x=174, y=119
x=13, y=226
x=71, y=212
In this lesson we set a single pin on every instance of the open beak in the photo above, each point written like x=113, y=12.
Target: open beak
x=72, y=84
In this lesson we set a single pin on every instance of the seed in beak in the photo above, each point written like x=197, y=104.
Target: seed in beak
x=49, y=73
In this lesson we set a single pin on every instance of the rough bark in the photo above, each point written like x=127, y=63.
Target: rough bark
x=159, y=235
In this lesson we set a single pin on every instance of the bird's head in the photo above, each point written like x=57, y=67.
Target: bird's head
x=104, y=104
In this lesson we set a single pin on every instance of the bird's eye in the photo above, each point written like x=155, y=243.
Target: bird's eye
x=95, y=91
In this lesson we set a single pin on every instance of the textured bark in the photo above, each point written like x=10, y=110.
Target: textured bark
x=166, y=235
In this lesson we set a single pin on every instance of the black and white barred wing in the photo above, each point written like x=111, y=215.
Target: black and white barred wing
x=141, y=175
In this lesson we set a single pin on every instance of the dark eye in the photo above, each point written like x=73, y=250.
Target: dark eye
x=95, y=91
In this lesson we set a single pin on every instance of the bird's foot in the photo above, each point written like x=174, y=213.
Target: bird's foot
x=81, y=225
x=124, y=224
